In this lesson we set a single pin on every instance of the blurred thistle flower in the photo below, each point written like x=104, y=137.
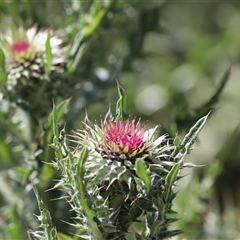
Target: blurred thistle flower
x=25, y=55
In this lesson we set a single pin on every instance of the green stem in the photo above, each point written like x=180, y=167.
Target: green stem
x=90, y=214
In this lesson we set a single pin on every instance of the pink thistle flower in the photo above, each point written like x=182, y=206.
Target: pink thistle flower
x=126, y=140
x=120, y=140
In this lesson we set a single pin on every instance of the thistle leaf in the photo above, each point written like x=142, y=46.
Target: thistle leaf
x=76, y=44
x=48, y=52
x=170, y=179
x=194, y=131
x=56, y=115
x=2, y=59
x=189, y=139
x=121, y=111
x=45, y=219
x=3, y=75
x=142, y=172
x=78, y=57
x=177, y=143
x=168, y=234
x=62, y=236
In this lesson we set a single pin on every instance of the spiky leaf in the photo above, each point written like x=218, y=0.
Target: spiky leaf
x=142, y=172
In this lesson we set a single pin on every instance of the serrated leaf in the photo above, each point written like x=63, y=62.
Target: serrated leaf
x=142, y=173
x=194, y=131
x=45, y=219
x=189, y=139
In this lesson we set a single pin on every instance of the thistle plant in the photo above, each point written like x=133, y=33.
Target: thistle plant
x=119, y=179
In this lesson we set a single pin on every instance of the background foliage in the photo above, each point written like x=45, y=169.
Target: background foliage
x=171, y=58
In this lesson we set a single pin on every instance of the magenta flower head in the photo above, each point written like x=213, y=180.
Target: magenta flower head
x=127, y=140
x=25, y=55
x=120, y=140
x=124, y=139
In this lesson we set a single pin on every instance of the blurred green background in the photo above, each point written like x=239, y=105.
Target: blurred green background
x=170, y=57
